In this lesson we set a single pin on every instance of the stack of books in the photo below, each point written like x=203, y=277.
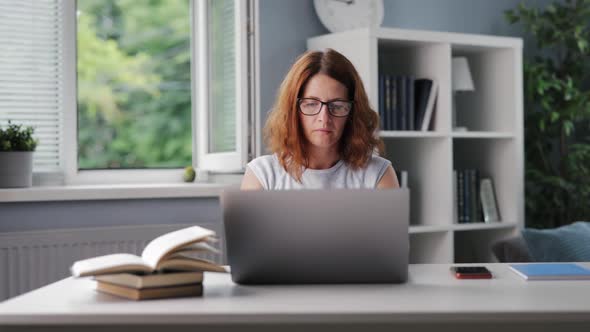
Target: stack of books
x=475, y=198
x=167, y=267
x=406, y=103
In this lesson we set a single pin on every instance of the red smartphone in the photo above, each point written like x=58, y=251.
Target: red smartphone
x=471, y=272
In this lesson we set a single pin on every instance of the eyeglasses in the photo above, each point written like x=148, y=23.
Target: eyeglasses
x=312, y=106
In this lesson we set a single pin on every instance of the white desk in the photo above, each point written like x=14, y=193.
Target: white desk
x=431, y=300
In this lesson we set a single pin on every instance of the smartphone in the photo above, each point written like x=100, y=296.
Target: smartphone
x=471, y=272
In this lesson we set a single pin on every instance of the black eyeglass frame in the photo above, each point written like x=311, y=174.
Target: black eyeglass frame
x=327, y=103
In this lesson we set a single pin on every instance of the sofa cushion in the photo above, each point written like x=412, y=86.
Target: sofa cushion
x=512, y=249
x=570, y=243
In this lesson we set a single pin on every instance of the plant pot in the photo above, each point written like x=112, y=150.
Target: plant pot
x=16, y=169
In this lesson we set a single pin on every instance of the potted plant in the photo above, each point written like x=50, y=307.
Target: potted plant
x=16, y=156
x=557, y=112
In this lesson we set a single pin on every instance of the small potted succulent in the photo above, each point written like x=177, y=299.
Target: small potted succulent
x=16, y=156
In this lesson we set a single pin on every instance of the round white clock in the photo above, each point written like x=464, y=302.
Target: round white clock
x=341, y=15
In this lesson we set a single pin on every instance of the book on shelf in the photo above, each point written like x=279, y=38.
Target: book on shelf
x=402, y=110
x=410, y=117
x=169, y=252
x=460, y=196
x=551, y=271
x=455, y=197
x=140, y=281
x=402, y=178
x=474, y=199
x=489, y=204
x=424, y=98
x=150, y=293
x=406, y=103
x=394, y=107
x=425, y=120
x=474, y=212
x=381, y=110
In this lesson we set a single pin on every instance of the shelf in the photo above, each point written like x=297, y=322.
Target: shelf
x=428, y=229
x=461, y=227
x=410, y=134
x=482, y=226
x=434, y=134
x=492, y=112
x=482, y=134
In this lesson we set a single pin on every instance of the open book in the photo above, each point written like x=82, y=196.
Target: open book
x=165, y=253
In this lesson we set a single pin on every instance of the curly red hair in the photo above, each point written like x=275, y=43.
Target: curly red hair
x=283, y=132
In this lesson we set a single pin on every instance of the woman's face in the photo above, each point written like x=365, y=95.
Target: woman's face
x=323, y=130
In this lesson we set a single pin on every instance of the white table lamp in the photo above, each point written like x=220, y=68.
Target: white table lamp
x=462, y=81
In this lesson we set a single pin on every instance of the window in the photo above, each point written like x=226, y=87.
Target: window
x=219, y=120
x=222, y=48
x=126, y=91
x=134, y=84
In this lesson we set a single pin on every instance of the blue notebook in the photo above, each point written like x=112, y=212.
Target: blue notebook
x=551, y=271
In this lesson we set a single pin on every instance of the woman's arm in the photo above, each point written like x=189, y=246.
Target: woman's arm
x=250, y=181
x=388, y=180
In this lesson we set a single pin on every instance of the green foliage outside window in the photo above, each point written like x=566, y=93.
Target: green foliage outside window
x=557, y=112
x=134, y=90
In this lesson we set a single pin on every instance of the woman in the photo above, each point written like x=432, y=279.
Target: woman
x=321, y=131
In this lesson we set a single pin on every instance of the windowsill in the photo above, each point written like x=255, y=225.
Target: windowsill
x=113, y=192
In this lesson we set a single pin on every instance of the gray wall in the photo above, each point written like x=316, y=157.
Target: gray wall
x=74, y=214
x=285, y=25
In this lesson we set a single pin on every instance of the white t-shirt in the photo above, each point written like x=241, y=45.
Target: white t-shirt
x=273, y=176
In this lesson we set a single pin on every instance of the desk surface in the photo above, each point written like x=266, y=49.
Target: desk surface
x=432, y=294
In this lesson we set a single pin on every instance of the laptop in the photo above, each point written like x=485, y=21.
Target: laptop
x=317, y=236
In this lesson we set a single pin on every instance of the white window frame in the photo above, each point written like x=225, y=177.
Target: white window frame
x=247, y=101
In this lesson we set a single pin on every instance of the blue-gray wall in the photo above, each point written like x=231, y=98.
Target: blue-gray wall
x=285, y=25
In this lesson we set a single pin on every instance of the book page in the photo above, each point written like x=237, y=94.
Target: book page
x=162, y=245
x=109, y=264
x=212, y=239
x=178, y=262
x=197, y=247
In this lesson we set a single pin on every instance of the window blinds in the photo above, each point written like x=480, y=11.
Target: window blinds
x=31, y=74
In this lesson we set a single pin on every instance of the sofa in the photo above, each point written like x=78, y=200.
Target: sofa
x=569, y=243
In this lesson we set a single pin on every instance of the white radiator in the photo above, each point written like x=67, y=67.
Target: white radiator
x=29, y=260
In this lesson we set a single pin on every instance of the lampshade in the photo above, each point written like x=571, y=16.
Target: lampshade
x=461, y=75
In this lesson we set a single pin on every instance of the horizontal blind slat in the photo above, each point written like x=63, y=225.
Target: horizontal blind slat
x=27, y=104
x=27, y=114
x=32, y=93
x=45, y=43
x=50, y=100
x=19, y=88
x=18, y=35
x=29, y=17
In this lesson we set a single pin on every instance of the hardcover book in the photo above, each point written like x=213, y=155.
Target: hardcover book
x=425, y=124
x=150, y=293
x=139, y=281
x=169, y=252
x=551, y=271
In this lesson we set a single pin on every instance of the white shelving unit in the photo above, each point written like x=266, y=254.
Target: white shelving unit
x=493, y=144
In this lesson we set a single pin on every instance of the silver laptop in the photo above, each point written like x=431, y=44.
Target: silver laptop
x=317, y=236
